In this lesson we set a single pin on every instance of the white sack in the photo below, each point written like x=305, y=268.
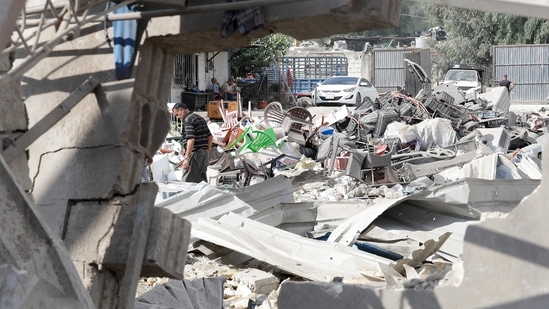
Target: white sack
x=435, y=132
x=406, y=133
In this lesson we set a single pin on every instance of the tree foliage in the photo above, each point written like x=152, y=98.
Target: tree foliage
x=472, y=34
x=261, y=54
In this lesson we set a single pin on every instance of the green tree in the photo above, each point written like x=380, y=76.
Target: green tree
x=261, y=54
x=472, y=34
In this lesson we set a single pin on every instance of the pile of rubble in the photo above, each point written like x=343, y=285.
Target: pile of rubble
x=380, y=195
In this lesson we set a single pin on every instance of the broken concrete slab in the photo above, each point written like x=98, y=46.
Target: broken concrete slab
x=87, y=168
x=258, y=281
x=13, y=122
x=110, y=227
x=30, y=246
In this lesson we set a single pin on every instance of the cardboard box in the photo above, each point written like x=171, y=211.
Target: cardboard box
x=215, y=113
x=213, y=110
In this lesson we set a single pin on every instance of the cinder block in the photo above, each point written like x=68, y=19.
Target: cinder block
x=167, y=245
x=13, y=116
x=102, y=234
x=258, y=281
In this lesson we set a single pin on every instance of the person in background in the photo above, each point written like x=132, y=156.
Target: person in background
x=229, y=89
x=197, y=142
x=215, y=90
x=506, y=83
x=146, y=174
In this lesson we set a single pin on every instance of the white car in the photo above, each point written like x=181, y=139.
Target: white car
x=345, y=90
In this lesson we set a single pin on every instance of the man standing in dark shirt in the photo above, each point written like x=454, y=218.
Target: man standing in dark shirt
x=506, y=83
x=198, y=140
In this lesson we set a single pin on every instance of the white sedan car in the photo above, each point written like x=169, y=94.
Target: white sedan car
x=345, y=90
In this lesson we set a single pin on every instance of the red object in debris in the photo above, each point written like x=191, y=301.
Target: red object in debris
x=289, y=78
x=262, y=104
x=340, y=163
x=164, y=150
x=380, y=149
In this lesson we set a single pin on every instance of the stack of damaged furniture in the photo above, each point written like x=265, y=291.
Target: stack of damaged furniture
x=401, y=139
x=252, y=147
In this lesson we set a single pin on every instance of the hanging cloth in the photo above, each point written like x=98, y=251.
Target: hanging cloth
x=125, y=33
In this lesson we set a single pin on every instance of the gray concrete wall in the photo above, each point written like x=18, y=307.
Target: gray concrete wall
x=96, y=152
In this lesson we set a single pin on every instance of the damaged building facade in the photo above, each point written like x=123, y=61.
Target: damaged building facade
x=79, y=227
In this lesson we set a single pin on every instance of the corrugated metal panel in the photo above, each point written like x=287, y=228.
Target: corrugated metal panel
x=527, y=66
x=389, y=70
x=412, y=83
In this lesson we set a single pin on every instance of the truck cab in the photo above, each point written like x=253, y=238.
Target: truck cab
x=465, y=77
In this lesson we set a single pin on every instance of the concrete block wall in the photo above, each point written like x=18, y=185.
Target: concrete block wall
x=354, y=61
x=109, y=225
x=13, y=122
x=97, y=150
x=95, y=153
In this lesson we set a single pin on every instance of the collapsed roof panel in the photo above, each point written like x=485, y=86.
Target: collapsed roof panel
x=308, y=258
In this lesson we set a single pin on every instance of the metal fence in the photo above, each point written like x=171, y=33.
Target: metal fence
x=307, y=71
x=527, y=66
x=184, y=74
x=390, y=70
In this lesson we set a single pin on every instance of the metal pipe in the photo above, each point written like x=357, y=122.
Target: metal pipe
x=39, y=9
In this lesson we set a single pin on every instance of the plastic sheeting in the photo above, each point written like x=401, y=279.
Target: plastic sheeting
x=435, y=132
